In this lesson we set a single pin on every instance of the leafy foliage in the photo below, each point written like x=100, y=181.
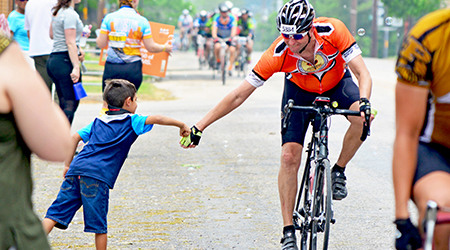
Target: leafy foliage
x=411, y=8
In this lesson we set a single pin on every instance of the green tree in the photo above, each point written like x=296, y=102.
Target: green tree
x=411, y=8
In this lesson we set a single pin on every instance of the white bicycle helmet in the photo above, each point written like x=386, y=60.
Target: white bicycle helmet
x=295, y=16
x=185, y=12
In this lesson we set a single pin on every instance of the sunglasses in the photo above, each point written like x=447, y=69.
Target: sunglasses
x=295, y=36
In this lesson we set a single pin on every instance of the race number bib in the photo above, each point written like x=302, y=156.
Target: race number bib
x=117, y=39
x=288, y=29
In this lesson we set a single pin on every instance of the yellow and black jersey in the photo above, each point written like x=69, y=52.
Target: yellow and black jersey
x=424, y=61
x=4, y=42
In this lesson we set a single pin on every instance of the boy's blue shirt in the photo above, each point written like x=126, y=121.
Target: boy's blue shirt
x=109, y=139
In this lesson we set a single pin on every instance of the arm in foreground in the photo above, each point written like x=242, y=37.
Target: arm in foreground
x=42, y=124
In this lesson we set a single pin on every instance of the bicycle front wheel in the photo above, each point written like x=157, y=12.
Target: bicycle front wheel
x=321, y=207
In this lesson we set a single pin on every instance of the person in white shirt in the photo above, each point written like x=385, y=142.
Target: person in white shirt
x=38, y=16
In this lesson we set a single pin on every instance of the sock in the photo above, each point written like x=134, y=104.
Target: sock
x=287, y=229
x=337, y=168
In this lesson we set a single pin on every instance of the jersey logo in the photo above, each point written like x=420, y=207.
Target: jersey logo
x=320, y=62
x=288, y=29
x=414, y=60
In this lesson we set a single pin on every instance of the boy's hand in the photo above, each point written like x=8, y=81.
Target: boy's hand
x=191, y=140
x=66, y=168
x=185, y=130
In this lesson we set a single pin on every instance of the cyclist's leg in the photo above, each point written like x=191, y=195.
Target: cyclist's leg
x=217, y=47
x=346, y=93
x=249, y=49
x=432, y=182
x=232, y=49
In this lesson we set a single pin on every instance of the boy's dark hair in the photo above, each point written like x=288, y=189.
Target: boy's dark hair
x=117, y=91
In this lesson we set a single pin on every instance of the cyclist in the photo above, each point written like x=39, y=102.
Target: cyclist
x=246, y=26
x=185, y=24
x=421, y=159
x=200, y=28
x=314, y=56
x=224, y=26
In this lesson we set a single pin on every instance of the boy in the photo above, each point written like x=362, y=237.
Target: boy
x=95, y=169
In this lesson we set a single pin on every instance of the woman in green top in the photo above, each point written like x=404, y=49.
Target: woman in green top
x=29, y=123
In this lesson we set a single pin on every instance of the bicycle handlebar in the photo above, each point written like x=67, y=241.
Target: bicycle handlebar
x=326, y=110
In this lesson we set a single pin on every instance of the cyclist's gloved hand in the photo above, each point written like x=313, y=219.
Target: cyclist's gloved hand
x=193, y=138
x=408, y=236
x=364, y=106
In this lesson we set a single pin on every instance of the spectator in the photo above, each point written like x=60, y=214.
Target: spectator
x=97, y=166
x=124, y=39
x=22, y=132
x=38, y=17
x=16, y=20
x=63, y=66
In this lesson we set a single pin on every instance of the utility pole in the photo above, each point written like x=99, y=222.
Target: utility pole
x=374, y=47
x=353, y=17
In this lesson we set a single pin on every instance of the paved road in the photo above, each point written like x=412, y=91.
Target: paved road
x=223, y=194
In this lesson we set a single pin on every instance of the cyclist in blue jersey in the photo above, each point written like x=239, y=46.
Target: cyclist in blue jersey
x=200, y=27
x=225, y=26
x=90, y=175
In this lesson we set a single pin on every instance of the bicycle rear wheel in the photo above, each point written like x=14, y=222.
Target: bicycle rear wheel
x=321, y=207
x=302, y=213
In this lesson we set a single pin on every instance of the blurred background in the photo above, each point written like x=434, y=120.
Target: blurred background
x=378, y=25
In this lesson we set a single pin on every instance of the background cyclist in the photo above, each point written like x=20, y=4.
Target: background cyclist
x=421, y=160
x=314, y=57
x=224, y=26
x=246, y=27
x=200, y=29
x=185, y=24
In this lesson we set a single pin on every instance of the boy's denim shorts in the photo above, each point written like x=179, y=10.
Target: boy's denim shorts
x=77, y=191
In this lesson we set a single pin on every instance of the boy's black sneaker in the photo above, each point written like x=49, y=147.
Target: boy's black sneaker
x=338, y=181
x=289, y=241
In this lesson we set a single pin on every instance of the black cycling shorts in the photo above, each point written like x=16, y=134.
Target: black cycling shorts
x=345, y=93
x=431, y=157
x=128, y=71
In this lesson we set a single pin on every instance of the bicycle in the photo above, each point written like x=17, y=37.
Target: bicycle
x=434, y=215
x=223, y=55
x=201, y=41
x=242, y=63
x=313, y=212
x=184, y=41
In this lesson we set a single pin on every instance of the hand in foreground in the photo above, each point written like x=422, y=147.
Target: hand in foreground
x=408, y=236
x=193, y=139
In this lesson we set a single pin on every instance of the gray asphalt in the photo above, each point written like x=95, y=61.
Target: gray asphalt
x=223, y=194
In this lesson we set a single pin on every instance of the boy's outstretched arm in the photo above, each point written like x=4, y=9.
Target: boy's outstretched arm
x=76, y=138
x=167, y=121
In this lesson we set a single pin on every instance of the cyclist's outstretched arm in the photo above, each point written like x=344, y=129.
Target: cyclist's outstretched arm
x=358, y=67
x=229, y=103
x=410, y=109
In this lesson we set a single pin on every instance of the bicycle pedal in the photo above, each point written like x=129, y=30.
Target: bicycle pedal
x=332, y=221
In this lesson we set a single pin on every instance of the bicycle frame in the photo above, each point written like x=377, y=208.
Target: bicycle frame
x=313, y=211
x=433, y=216
x=242, y=54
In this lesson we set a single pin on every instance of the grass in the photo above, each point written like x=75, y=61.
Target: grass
x=146, y=92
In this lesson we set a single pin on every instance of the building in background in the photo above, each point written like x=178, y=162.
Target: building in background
x=6, y=6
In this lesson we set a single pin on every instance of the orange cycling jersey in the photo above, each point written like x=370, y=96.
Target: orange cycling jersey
x=335, y=47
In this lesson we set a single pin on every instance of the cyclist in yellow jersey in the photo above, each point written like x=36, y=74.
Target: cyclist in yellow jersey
x=421, y=160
